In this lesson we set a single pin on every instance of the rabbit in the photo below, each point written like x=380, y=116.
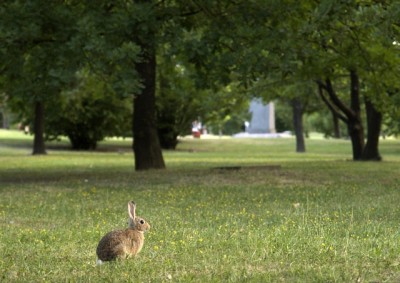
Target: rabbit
x=121, y=244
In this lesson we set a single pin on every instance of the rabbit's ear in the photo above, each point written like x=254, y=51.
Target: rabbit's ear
x=132, y=210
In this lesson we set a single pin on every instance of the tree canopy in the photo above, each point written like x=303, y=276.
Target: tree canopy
x=176, y=60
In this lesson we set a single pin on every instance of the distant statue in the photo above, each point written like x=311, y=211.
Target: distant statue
x=262, y=118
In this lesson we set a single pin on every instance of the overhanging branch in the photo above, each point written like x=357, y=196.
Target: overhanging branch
x=336, y=100
x=331, y=107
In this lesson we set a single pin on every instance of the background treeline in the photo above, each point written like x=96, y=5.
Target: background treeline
x=147, y=69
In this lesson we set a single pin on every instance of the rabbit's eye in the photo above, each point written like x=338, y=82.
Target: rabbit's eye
x=141, y=221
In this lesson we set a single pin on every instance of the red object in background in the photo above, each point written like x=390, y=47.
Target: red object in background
x=196, y=134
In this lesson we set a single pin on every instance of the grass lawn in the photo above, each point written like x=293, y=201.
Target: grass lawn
x=281, y=217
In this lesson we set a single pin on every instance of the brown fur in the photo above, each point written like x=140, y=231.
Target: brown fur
x=121, y=244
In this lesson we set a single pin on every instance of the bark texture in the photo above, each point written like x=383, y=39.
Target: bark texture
x=146, y=145
x=38, y=129
x=298, y=124
x=374, y=122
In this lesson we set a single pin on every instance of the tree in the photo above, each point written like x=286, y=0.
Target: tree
x=298, y=124
x=322, y=42
x=350, y=115
x=359, y=43
x=146, y=143
x=37, y=57
x=246, y=39
x=89, y=112
x=121, y=42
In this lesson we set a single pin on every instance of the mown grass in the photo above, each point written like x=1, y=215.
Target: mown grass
x=282, y=217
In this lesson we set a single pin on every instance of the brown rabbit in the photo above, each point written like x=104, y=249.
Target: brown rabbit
x=123, y=244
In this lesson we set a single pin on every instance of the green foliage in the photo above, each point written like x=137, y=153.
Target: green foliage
x=179, y=103
x=38, y=58
x=180, y=100
x=322, y=122
x=37, y=51
x=322, y=220
x=107, y=34
x=41, y=58
x=226, y=110
x=283, y=116
x=89, y=113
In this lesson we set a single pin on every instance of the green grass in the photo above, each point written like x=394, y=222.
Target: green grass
x=317, y=218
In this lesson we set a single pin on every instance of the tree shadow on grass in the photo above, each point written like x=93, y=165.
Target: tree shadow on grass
x=103, y=146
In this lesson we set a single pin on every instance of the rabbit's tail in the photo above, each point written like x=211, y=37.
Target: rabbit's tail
x=99, y=261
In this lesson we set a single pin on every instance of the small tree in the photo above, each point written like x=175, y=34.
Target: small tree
x=89, y=113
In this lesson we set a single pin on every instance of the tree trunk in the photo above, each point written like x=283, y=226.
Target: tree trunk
x=357, y=139
x=350, y=115
x=146, y=145
x=298, y=124
x=374, y=122
x=355, y=127
x=38, y=129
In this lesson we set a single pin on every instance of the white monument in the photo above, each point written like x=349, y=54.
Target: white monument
x=262, y=117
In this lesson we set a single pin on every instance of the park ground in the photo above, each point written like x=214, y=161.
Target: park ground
x=224, y=210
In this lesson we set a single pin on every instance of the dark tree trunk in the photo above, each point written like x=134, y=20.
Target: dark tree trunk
x=355, y=127
x=357, y=139
x=374, y=122
x=146, y=145
x=298, y=124
x=38, y=129
x=350, y=115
